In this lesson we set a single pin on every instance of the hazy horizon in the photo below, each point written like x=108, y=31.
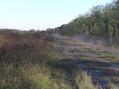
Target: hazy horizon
x=37, y=14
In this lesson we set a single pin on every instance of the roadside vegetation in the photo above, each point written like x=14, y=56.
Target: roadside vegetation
x=30, y=60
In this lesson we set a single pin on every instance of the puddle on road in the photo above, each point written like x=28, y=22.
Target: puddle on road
x=100, y=72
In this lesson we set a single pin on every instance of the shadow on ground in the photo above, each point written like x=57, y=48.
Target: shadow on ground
x=101, y=73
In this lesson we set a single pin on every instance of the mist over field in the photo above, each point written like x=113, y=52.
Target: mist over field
x=80, y=54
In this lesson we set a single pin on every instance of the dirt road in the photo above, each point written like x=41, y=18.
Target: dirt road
x=96, y=63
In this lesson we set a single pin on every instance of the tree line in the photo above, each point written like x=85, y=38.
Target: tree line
x=100, y=20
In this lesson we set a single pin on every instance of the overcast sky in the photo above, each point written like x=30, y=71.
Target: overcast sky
x=42, y=14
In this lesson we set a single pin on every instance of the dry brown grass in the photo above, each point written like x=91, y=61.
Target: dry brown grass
x=23, y=61
x=25, y=46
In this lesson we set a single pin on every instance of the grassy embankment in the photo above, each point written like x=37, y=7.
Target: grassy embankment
x=29, y=60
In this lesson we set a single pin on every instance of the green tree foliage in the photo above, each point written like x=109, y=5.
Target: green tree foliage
x=101, y=20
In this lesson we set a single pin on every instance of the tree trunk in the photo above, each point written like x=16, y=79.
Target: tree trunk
x=114, y=31
x=107, y=28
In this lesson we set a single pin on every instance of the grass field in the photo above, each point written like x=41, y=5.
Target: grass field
x=37, y=60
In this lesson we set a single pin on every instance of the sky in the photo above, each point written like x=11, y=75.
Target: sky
x=42, y=14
